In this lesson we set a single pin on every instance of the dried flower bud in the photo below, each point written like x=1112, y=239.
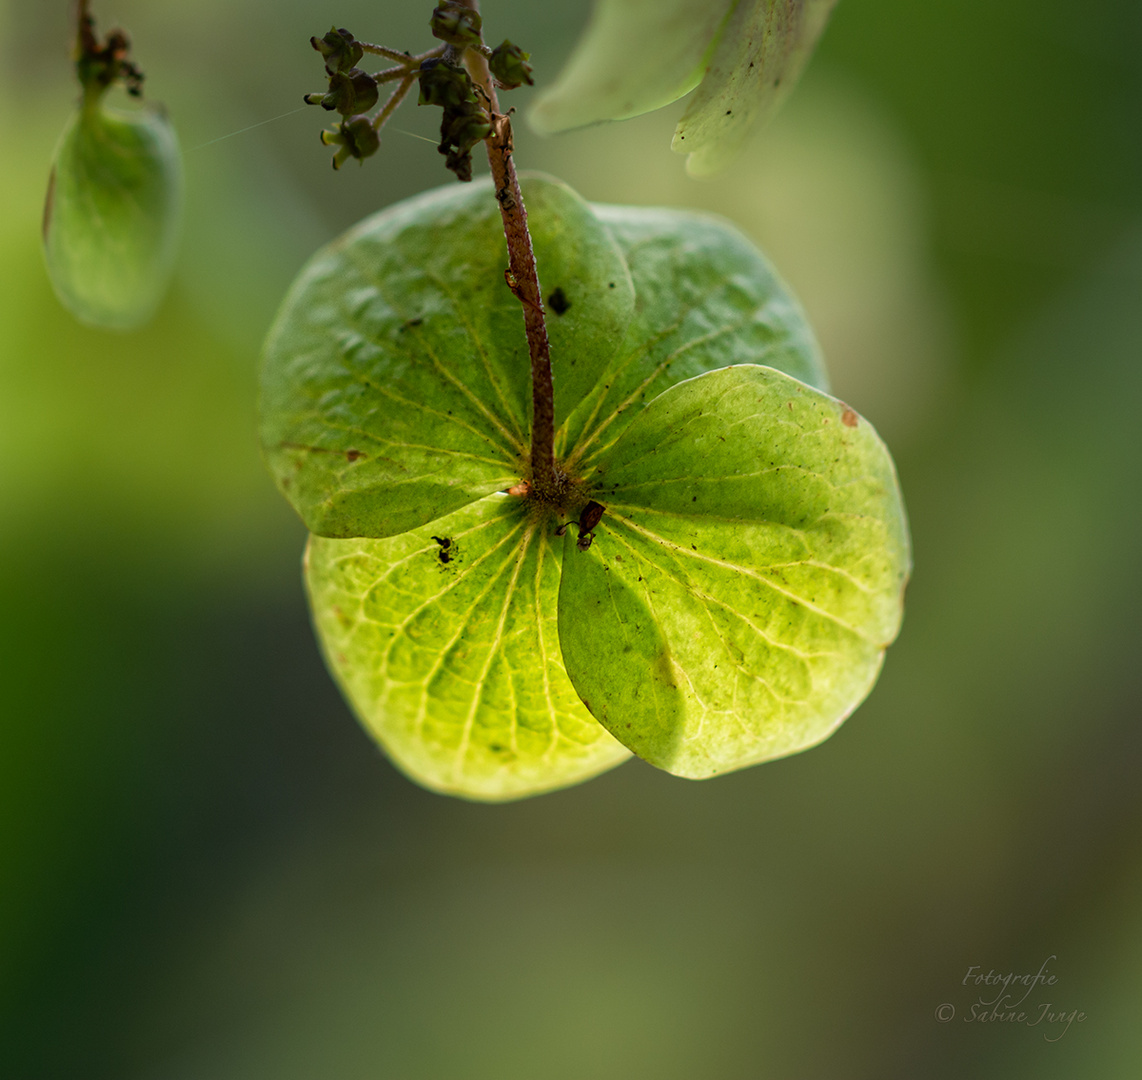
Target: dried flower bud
x=350, y=92
x=510, y=67
x=340, y=49
x=456, y=24
x=354, y=137
x=100, y=65
x=461, y=129
x=442, y=83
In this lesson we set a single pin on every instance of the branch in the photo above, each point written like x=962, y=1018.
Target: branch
x=522, y=278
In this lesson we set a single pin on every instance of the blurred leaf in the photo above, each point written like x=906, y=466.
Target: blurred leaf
x=758, y=58
x=637, y=55
x=737, y=610
x=112, y=215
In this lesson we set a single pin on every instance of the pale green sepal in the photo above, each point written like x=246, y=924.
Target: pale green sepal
x=112, y=214
x=635, y=56
x=758, y=59
x=395, y=382
x=445, y=641
x=753, y=555
x=706, y=298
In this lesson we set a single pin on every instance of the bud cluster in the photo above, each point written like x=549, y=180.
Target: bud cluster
x=352, y=92
x=443, y=81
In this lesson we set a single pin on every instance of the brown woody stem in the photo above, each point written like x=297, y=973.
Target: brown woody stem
x=522, y=278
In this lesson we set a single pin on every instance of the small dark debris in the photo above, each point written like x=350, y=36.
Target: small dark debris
x=558, y=302
x=446, y=553
x=353, y=455
x=729, y=111
x=588, y=519
x=612, y=284
x=591, y=515
x=410, y=324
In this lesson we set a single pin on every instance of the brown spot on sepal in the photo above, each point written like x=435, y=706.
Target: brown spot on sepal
x=849, y=417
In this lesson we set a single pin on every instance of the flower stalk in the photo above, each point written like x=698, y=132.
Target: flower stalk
x=522, y=277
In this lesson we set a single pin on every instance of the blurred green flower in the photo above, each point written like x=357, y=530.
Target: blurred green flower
x=509, y=64
x=114, y=200
x=638, y=55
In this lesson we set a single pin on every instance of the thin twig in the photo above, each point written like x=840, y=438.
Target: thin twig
x=403, y=58
x=395, y=98
x=391, y=74
x=388, y=54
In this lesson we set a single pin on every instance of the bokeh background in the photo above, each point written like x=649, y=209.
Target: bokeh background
x=207, y=872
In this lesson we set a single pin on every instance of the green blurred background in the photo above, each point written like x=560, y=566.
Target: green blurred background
x=208, y=872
